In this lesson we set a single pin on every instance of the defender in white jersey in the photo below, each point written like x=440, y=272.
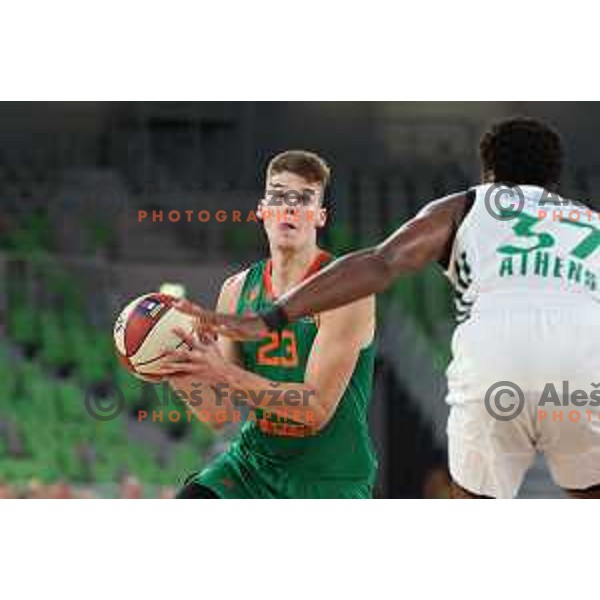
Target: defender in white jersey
x=527, y=299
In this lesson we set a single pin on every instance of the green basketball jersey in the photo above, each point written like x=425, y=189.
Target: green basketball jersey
x=340, y=457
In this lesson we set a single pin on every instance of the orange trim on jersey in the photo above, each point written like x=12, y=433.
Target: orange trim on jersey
x=268, y=279
x=316, y=264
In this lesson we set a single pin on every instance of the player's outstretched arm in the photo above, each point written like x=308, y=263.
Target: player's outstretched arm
x=425, y=238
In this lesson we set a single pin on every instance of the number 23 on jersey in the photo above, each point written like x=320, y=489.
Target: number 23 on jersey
x=279, y=350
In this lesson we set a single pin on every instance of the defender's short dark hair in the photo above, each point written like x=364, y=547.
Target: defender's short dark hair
x=522, y=150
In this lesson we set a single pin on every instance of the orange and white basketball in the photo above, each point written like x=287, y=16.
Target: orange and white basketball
x=143, y=333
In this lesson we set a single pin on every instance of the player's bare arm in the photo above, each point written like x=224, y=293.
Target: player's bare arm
x=342, y=334
x=227, y=303
x=424, y=239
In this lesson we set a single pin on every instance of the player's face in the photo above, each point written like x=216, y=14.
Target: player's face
x=291, y=210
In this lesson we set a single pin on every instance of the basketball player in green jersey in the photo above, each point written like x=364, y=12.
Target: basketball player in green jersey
x=310, y=439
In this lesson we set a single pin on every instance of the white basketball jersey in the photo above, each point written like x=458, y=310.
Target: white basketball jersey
x=528, y=302
x=513, y=249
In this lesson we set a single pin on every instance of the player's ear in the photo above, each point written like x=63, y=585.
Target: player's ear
x=260, y=208
x=321, y=218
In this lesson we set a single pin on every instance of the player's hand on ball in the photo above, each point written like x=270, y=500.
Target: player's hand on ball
x=247, y=327
x=201, y=359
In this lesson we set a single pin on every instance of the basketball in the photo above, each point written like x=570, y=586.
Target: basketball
x=143, y=333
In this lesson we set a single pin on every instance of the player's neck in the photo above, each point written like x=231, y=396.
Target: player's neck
x=289, y=268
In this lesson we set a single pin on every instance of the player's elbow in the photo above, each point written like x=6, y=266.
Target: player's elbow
x=319, y=420
x=392, y=263
x=319, y=414
x=383, y=267
x=314, y=413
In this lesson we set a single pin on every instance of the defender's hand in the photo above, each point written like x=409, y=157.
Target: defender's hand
x=247, y=327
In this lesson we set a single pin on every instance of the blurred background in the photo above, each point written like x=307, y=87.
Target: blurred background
x=73, y=176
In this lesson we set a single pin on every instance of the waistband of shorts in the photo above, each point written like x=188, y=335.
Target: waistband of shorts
x=535, y=301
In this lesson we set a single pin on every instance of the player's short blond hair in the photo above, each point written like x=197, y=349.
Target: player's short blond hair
x=303, y=163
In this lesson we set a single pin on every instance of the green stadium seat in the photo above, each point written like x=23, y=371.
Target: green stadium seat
x=23, y=325
x=54, y=347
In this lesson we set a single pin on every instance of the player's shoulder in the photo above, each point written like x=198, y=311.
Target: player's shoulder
x=231, y=290
x=449, y=214
x=234, y=283
x=454, y=202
